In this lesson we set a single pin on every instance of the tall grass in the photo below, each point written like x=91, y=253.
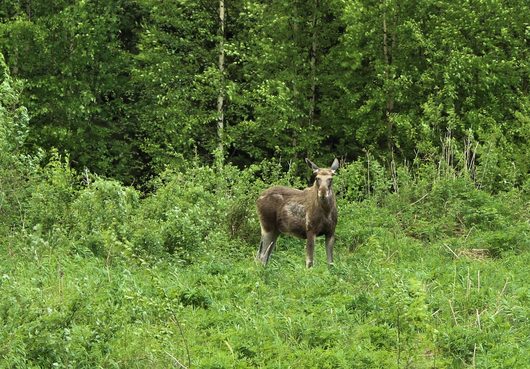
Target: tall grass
x=430, y=272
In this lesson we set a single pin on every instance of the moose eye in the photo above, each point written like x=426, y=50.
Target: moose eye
x=318, y=181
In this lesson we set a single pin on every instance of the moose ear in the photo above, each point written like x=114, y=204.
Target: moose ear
x=313, y=166
x=335, y=165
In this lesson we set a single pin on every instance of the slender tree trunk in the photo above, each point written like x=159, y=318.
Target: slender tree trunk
x=387, y=55
x=28, y=10
x=221, y=96
x=313, y=62
x=385, y=40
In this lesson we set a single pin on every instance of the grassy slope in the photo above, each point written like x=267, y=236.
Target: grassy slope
x=94, y=276
x=394, y=301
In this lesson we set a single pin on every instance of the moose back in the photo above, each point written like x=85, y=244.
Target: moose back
x=302, y=213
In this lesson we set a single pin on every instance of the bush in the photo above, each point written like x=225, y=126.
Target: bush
x=49, y=203
x=16, y=168
x=513, y=238
x=101, y=215
x=182, y=212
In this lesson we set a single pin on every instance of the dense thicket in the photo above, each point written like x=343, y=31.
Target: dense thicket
x=126, y=87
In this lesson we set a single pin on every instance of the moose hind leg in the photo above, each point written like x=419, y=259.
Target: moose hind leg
x=267, y=243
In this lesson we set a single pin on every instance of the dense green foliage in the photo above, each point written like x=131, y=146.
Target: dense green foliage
x=126, y=87
x=127, y=235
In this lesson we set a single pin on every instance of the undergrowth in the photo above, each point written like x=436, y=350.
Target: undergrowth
x=431, y=272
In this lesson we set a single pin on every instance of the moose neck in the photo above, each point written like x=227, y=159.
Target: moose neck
x=326, y=203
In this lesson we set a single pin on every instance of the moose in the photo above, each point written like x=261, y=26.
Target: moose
x=304, y=214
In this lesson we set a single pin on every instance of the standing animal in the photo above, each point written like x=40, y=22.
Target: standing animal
x=302, y=213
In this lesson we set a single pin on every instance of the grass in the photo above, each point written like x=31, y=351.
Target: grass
x=393, y=302
x=162, y=282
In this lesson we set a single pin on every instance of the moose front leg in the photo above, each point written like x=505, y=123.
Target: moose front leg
x=330, y=241
x=310, y=249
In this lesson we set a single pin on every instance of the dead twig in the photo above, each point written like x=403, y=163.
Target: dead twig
x=499, y=308
x=453, y=312
x=177, y=323
x=420, y=199
x=450, y=249
x=477, y=254
x=176, y=360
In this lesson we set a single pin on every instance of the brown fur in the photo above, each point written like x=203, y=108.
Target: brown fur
x=302, y=213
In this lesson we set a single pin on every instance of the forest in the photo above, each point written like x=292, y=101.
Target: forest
x=137, y=135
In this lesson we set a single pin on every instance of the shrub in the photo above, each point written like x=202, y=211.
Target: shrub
x=101, y=214
x=513, y=238
x=195, y=298
x=182, y=212
x=16, y=168
x=49, y=203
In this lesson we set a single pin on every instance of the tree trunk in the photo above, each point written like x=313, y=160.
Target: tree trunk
x=387, y=55
x=221, y=65
x=313, y=62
